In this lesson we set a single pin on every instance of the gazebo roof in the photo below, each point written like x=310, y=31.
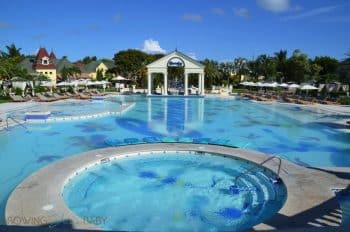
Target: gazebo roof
x=189, y=62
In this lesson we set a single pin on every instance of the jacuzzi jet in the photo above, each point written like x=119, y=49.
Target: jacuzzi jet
x=275, y=180
x=105, y=160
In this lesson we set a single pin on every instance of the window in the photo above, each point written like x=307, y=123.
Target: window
x=45, y=72
x=50, y=72
x=45, y=60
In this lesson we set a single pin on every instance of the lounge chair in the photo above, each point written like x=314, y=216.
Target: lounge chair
x=83, y=96
x=58, y=96
x=43, y=98
x=28, y=98
x=96, y=92
x=17, y=98
x=71, y=95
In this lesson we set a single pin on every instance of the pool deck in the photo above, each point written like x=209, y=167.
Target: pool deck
x=310, y=203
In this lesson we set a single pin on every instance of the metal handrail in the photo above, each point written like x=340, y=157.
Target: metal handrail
x=262, y=163
x=16, y=121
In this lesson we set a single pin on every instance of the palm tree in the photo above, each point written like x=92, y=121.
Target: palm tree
x=9, y=68
x=266, y=66
x=344, y=70
x=281, y=56
x=13, y=52
x=241, y=66
x=212, y=73
x=69, y=72
x=281, y=64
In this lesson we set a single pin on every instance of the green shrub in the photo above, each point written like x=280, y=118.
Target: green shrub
x=4, y=99
x=70, y=89
x=39, y=89
x=239, y=90
x=344, y=101
x=18, y=91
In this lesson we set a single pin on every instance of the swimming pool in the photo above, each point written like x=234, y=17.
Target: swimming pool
x=175, y=191
x=296, y=133
x=71, y=108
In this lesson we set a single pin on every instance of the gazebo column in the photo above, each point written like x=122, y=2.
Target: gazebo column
x=149, y=86
x=149, y=109
x=199, y=84
x=186, y=84
x=165, y=83
x=203, y=84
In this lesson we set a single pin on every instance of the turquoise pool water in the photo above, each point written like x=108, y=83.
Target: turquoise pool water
x=175, y=192
x=71, y=108
x=302, y=136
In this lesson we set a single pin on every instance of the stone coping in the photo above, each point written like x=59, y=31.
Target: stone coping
x=39, y=197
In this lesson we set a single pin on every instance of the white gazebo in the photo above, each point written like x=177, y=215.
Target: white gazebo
x=176, y=59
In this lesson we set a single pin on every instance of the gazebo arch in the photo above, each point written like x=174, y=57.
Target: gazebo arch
x=176, y=59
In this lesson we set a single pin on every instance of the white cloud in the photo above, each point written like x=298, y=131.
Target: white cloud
x=152, y=46
x=241, y=12
x=311, y=13
x=274, y=5
x=191, y=17
x=218, y=11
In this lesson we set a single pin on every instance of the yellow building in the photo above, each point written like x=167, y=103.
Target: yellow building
x=90, y=70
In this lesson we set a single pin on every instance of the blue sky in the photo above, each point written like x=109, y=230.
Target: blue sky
x=216, y=29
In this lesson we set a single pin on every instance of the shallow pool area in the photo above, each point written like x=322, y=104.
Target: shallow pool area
x=175, y=191
x=72, y=108
x=299, y=134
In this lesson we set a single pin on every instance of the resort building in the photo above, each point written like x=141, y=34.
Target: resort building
x=48, y=65
x=90, y=70
x=43, y=64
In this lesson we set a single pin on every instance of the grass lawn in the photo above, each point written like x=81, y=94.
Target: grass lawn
x=5, y=99
x=239, y=90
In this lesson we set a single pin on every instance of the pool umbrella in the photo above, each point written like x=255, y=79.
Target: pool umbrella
x=48, y=84
x=271, y=85
x=19, y=82
x=91, y=83
x=294, y=86
x=274, y=85
x=245, y=83
x=308, y=87
x=63, y=83
x=104, y=84
x=18, y=79
x=119, y=78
